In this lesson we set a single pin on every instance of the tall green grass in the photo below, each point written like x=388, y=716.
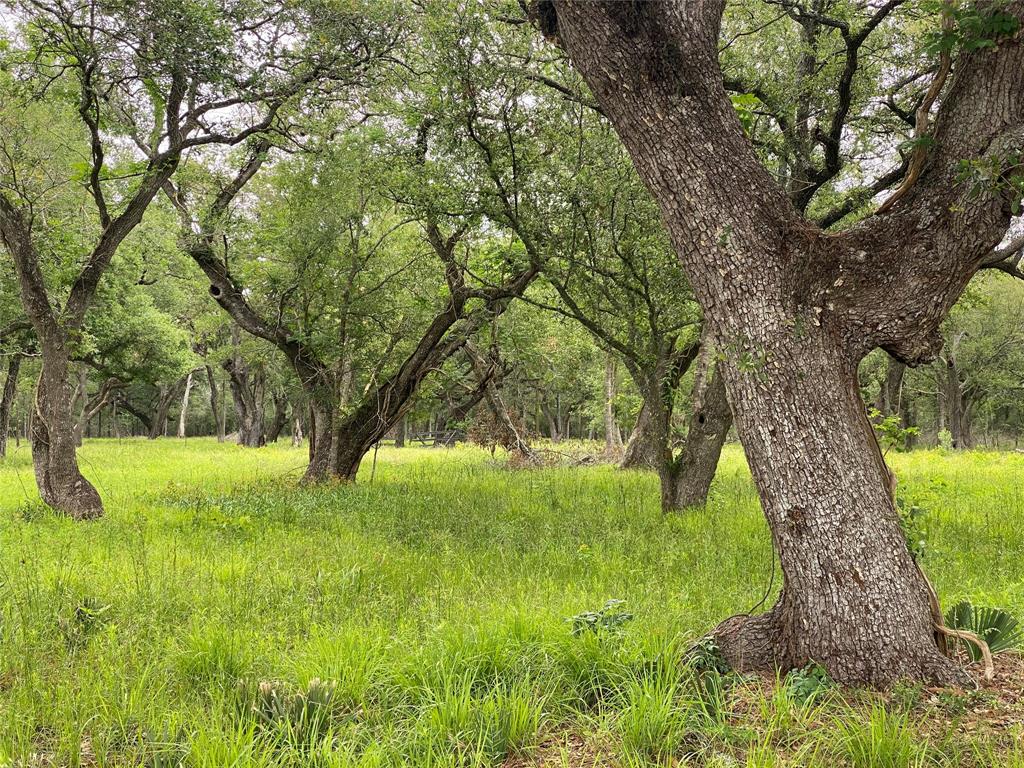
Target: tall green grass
x=434, y=601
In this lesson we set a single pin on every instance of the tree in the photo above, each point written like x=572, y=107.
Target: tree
x=793, y=309
x=618, y=278
x=163, y=79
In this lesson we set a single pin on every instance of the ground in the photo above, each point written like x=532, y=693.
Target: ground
x=222, y=615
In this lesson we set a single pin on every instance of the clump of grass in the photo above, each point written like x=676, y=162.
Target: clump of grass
x=884, y=740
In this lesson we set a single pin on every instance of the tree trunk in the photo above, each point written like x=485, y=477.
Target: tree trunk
x=400, y=432
x=61, y=483
x=891, y=391
x=686, y=478
x=612, y=436
x=165, y=397
x=81, y=401
x=794, y=310
x=7, y=401
x=321, y=438
x=853, y=598
x=643, y=449
x=296, y=427
x=280, y=416
x=247, y=394
x=183, y=415
x=957, y=406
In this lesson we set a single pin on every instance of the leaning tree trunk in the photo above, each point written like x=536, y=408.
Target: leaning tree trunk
x=7, y=401
x=61, y=483
x=644, y=447
x=853, y=598
x=686, y=478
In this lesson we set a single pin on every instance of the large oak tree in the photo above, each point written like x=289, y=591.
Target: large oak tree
x=794, y=309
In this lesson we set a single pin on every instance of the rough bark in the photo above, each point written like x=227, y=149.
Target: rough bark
x=247, y=390
x=60, y=481
x=7, y=400
x=642, y=448
x=794, y=310
x=401, y=430
x=280, y=416
x=686, y=478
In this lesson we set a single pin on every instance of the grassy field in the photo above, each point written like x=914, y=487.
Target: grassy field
x=220, y=615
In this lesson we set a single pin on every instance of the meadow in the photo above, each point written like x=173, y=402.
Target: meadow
x=222, y=615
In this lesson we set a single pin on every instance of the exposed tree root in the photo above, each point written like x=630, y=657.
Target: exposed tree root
x=970, y=637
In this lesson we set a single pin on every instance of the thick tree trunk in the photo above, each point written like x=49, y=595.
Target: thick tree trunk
x=612, y=436
x=247, y=395
x=794, y=310
x=7, y=400
x=165, y=398
x=183, y=415
x=400, y=432
x=321, y=441
x=280, y=417
x=686, y=478
x=853, y=598
x=61, y=483
x=643, y=449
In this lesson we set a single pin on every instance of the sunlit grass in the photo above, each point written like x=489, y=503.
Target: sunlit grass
x=435, y=601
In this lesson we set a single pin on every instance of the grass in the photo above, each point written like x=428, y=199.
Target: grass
x=219, y=615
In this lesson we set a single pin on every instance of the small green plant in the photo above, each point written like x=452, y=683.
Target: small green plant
x=997, y=627
x=88, y=617
x=808, y=683
x=608, y=620
x=912, y=522
x=705, y=656
x=945, y=438
x=890, y=430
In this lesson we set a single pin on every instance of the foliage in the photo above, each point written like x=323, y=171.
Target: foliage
x=610, y=619
x=996, y=626
x=808, y=683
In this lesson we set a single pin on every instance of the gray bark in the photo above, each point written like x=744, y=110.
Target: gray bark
x=794, y=310
x=7, y=400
